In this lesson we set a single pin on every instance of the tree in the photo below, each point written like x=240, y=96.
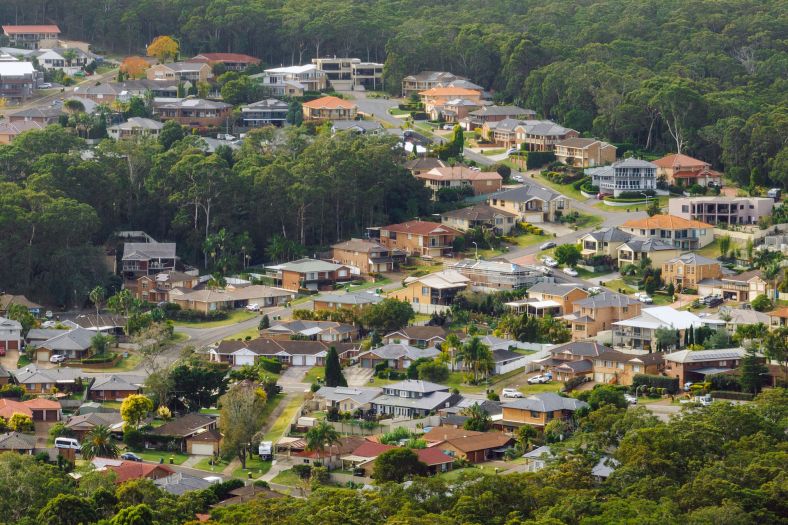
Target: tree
x=98, y=442
x=452, y=345
x=433, y=371
x=264, y=323
x=606, y=395
x=762, y=303
x=21, y=423
x=295, y=113
x=100, y=343
x=775, y=347
x=478, y=418
x=321, y=436
x=134, y=66
x=477, y=357
x=752, y=371
x=568, y=254
x=171, y=133
x=333, y=370
x=136, y=515
x=20, y=313
x=653, y=208
x=524, y=436
x=397, y=465
x=242, y=410
x=163, y=48
x=387, y=315
x=97, y=296
x=198, y=384
x=66, y=509
x=724, y=243
x=666, y=338
x=135, y=408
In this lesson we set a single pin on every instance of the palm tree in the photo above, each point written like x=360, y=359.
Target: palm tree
x=477, y=356
x=770, y=273
x=99, y=442
x=96, y=296
x=451, y=345
x=478, y=418
x=321, y=436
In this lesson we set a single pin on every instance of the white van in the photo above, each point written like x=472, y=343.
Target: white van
x=511, y=392
x=63, y=442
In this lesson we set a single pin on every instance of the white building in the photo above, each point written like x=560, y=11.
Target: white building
x=292, y=80
x=629, y=175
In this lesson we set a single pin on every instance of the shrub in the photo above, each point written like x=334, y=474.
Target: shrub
x=270, y=365
x=725, y=382
x=636, y=194
x=302, y=471
x=739, y=396
x=15, y=391
x=573, y=383
x=100, y=359
x=762, y=303
x=59, y=430
x=133, y=438
x=537, y=159
x=670, y=384
x=221, y=490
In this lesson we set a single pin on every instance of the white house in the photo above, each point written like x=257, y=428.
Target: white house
x=10, y=335
x=629, y=175
x=639, y=332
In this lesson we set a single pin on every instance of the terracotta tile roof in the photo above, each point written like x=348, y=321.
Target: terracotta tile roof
x=370, y=449
x=40, y=403
x=433, y=456
x=329, y=103
x=459, y=173
x=8, y=408
x=438, y=434
x=678, y=160
x=449, y=92
x=13, y=30
x=421, y=228
x=665, y=222
x=135, y=470
x=696, y=174
x=345, y=446
x=780, y=312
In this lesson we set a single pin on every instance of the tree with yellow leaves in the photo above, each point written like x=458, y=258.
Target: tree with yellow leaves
x=134, y=67
x=163, y=47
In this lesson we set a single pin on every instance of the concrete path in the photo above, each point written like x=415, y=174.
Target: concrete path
x=191, y=461
x=357, y=376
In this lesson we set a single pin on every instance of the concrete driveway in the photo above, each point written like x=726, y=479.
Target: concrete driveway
x=357, y=376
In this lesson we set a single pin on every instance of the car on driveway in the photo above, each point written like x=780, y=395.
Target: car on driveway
x=512, y=151
x=632, y=400
x=547, y=245
x=644, y=297
x=511, y=392
x=712, y=300
x=518, y=178
x=539, y=380
x=254, y=307
x=57, y=358
x=130, y=456
x=570, y=271
x=549, y=261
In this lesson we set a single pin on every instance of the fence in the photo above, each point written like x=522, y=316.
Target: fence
x=755, y=233
x=429, y=309
x=385, y=425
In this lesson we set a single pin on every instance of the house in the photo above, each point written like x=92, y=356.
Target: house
x=128, y=470
x=135, y=127
x=638, y=248
x=5, y=376
x=743, y=287
x=146, y=258
x=472, y=446
x=603, y=242
x=291, y=352
x=311, y=274
x=688, y=269
x=419, y=238
x=7, y=299
x=326, y=331
x=437, y=97
x=230, y=61
x=682, y=233
x=351, y=301
x=192, y=72
x=695, y=365
x=778, y=317
x=244, y=495
x=625, y=176
x=115, y=387
x=540, y=135
x=231, y=297
x=638, y=332
x=421, y=336
x=364, y=456
x=683, y=170
x=531, y=203
x=455, y=416
x=551, y=299
x=68, y=60
x=329, y=108
x=17, y=442
x=292, y=81
x=109, y=92
x=82, y=424
x=584, y=153
x=537, y=410
x=396, y=356
x=538, y=458
x=413, y=84
x=156, y=288
x=31, y=36
x=331, y=456
x=413, y=398
x=572, y=360
x=39, y=409
x=736, y=317
x=196, y=113
x=477, y=118
x=11, y=130
x=181, y=431
x=598, y=312
x=460, y=177
x=74, y=344
x=365, y=257
x=350, y=73
x=423, y=164
x=18, y=81
x=618, y=368
x=505, y=361
x=346, y=399
x=43, y=380
x=268, y=112
x=433, y=292
x=722, y=210
x=454, y=111
x=489, y=276
x=362, y=127
x=480, y=216
x=180, y=483
x=10, y=335
x=43, y=115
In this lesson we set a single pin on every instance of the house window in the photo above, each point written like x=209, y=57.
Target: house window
x=425, y=290
x=636, y=368
x=534, y=414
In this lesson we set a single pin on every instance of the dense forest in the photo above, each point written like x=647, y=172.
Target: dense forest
x=708, y=77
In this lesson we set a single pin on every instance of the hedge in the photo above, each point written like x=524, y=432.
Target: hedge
x=193, y=316
x=670, y=384
x=99, y=359
x=619, y=199
x=419, y=115
x=537, y=159
x=270, y=365
x=739, y=396
x=635, y=194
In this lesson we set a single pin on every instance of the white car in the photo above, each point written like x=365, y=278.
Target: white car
x=632, y=400
x=44, y=85
x=643, y=297
x=538, y=380
x=549, y=261
x=518, y=178
x=57, y=358
x=570, y=271
x=512, y=151
x=511, y=392
x=547, y=245
x=254, y=307
x=595, y=290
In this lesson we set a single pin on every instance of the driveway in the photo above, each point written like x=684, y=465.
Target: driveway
x=663, y=409
x=294, y=376
x=357, y=376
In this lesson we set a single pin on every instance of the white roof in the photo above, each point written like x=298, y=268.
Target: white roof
x=663, y=317
x=295, y=70
x=441, y=280
x=16, y=69
x=691, y=356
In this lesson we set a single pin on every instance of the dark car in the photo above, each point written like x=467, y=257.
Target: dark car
x=713, y=300
x=130, y=456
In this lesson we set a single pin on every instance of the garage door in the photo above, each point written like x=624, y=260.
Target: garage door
x=298, y=360
x=202, y=449
x=241, y=360
x=534, y=217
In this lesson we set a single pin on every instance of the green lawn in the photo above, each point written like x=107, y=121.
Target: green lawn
x=256, y=465
x=496, y=151
x=712, y=250
x=124, y=365
x=287, y=477
x=236, y=316
x=279, y=427
x=452, y=475
x=315, y=373
x=204, y=464
x=253, y=333
x=370, y=284
x=565, y=189
x=396, y=112
x=588, y=221
x=617, y=284
x=585, y=274
x=553, y=386
x=156, y=455
x=210, y=411
x=114, y=405
x=663, y=202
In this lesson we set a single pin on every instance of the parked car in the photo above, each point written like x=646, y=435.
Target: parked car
x=688, y=386
x=64, y=442
x=632, y=400
x=518, y=178
x=225, y=136
x=511, y=392
x=266, y=450
x=57, y=358
x=254, y=307
x=712, y=300
x=545, y=270
x=130, y=456
x=547, y=245
x=540, y=379
x=45, y=85
x=595, y=290
x=512, y=151
x=549, y=261
x=448, y=127
x=570, y=271
x=704, y=401
x=644, y=297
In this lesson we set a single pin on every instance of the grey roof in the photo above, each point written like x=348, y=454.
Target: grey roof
x=605, y=299
x=416, y=385
x=362, y=125
x=358, y=394
x=490, y=266
x=581, y=348
x=461, y=83
x=269, y=103
x=92, y=419
x=498, y=343
x=545, y=128
x=553, y=288
x=491, y=407
x=434, y=76
x=507, y=124
x=313, y=327
x=692, y=258
x=646, y=245
x=124, y=382
x=690, y=356
x=196, y=103
x=429, y=402
x=477, y=212
x=542, y=452
x=399, y=351
x=604, y=467
x=139, y=122
x=634, y=163
x=512, y=111
x=10, y=324
x=578, y=142
x=357, y=298
x=739, y=315
x=610, y=234
x=17, y=441
x=547, y=402
x=185, y=66
x=308, y=265
x=579, y=366
x=179, y=483
x=148, y=250
x=527, y=192
x=76, y=339
x=38, y=112
x=4, y=372
x=31, y=374
x=184, y=426
x=501, y=355
x=424, y=163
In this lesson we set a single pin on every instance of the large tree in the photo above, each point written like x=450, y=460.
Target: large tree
x=99, y=442
x=397, y=465
x=333, y=370
x=240, y=419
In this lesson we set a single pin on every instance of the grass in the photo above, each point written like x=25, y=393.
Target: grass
x=204, y=464
x=314, y=374
x=236, y=316
x=587, y=221
x=279, y=427
x=114, y=405
x=302, y=300
x=712, y=250
x=370, y=284
x=124, y=365
x=210, y=411
x=452, y=475
x=22, y=361
x=663, y=202
x=565, y=189
x=287, y=477
x=156, y=455
x=585, y=274
x=256, y=465
x=397, y=112
x=421, y=318
x=553, y=386
x=619, y=284
x=497, y=151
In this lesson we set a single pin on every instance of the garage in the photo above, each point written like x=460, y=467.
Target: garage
x=298, y=360
x=202, y=449
x=533, y=217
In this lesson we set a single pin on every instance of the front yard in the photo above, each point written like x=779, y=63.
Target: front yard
x=663, y=202
x=279, y=427
x=287, y=477
x=254, y=464
x=157, y=455
x=236, y=316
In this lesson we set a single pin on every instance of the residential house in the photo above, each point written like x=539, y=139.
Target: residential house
x=361, y=127
x=531, y=203
x=346, y=399
x=549, y=299
x=688, y=269
x=603, y=242
x=311, y=274
x=135, y=127
x=180, y=483
x=743, y=287
x=31, y=36
x=491, y=276
x=396, y=356
x=43, y=115
x=181, y=432
x=682, y=170
x=243, y=494
x=538, y=458
x=38, y=408
x=413, y=398
x=5, y=376
x=419, y=238
x=477, y=118
x=74, y=344
x=146, y=258
x=696, y=365
x=329, y=108
x=109, y=92
x=421, y=336
x=537, y=410
x=433, y=292
x=480, y=216
x=292, y=352
x=350, y=301
x=682, y=233
x=364, y=456
x=292, y=81
x=571, y=360
x=628, y=175
x=7, y=299
x=156, y=288
x=128, y=470
x=18, y=81
x=365, y=257
x=350, y=73
x=453, y=111
x=18, y=442
x=326, y=331
x=501, y=132
x=638, y=332
x=81, y=424
x=192, y=72
x=230, y=61
x=267, y=112
x=598, y=312
x=618, y=368
x=421, y=165
x=10, y=335
x=778, y=318
x=638, y=248
x=541, y=135
x=115, y=387
x=425, y=80
x=505, y=361
x=584, y=153
x=736, y=317
x=437, y=97
x=472, y=446
x=460, y=177
x=196, y=113
x=68, y=60
x=456, y=416
x=11, y=130
x=43, y=380
x=231, y=297
x=722, y=210
x=331, y=456
x=366, y=75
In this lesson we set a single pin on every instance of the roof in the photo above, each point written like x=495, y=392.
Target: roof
x=9, y=407
x=433, y=76
x=542, y=452
x=308, y=265
x=41, y=403
x=581, y=349
x=579, y=142
x=267, y=103
x=665, y=222
x=14, y=30
x=400, y=351
x=329, y=103
x=227, y=57
x=578, y=367
x=610, y=234
x=37, y=112
x=490, y=266
x=424, y=163
x=433, y=456
x=18, y=127
x=135, y=470
x=142, y=251
x=17, y=441
x=206, y=295
x=360, y=245
x=604, y=300
x=180, y=483
x=360, y=395
x=270, y=347
x=695, y=356
x=605, y=467
x=370, y=449
x=693, y=259
x=421, y=228
x=545, y=128
x=120, y=382
x=88, y=421
x=647, y=245
x=305, y=327
x=346, y=445
x=740, y=316
x=621, y=357
x=184, y=426
x=363, y=125
x=547, y=402
x=461, y=173
x=76, y=339
x=4, y=372
x=477, y=212
x=7, y=300
x=679, y=161
x=633, y=163
x=442, y=280
x=293, y=70
x=440, y=91
x=353, y=298
x=511, y=111
x=419, y=332
x=10, y=324
x=663, y=316
x=417, y=385
x=527, y=192
x=139, y=122
x=554, y=288
x=31, y=374
x=183, y=66
x=195, y=103
x=779, y=312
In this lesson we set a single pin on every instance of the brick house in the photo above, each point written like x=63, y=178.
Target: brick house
x=146, y=258
x=584, y=153
x=679, y=169
x=687, y=270
x=44, y=115
x=311, y=274
x=743, y=287
x=115, y=387
x=196, y=113
x=597, y=312
x=11, y=130
x=156, y=288
x=531, y=203
x=537, y=410
x=549, y=299
x=618, y=368
x=193, y=72
x=10, y=335
x=396, y=356
x=683, y=234
x=477, y=119
x=349, y=301
x=688, y=365
x=230, y=61
x=603, y=242
x=457, y=177
x=365, y=256
x=480, y=216
x=329, y=108
x=475, y=447
x=437, y=97
x=434, y=292
x=426, y=80
x=419, y=238
x=637, y=248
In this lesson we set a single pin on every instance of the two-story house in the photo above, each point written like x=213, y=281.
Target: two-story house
x=268, y=112
x=421, y=336
x=413, y=398
x=638, y=248
x=722, y=210
x=480, y=216
x=31, y=36
x=397, y=356
x=532, y=203
x=350, y=73
x=10, y=335
x=598, y=312
x=458, y=177
x=43, y=115
x=196, y=113
x=292, y=81
x=541, y=135
x=695, y=365
x=146, y=258
x=538, y=410
x=68, y=60
x=477, y=118
x=355, y=301
x=329, y=108
x=491, y=276
x=434, y=292
x=571, y=360
x=192, y=72
x=549, y=299
x=419, y=238
x=290, y=352
x=743, y=287
x=639, y=332
x=346, y=399
x=326, y=331
x=683, y=170
x=618, y=368
x=365, y=257
x=628, y=175
x=135, y=127
x=426, y=80
x=689, y=269
x=310, y=274
x=584, y=153
x=603, y=242
x=18, y=80
x=683, y=234
x=156, y=288
x=437, y=97
x=453, y=110
x=230, y=61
